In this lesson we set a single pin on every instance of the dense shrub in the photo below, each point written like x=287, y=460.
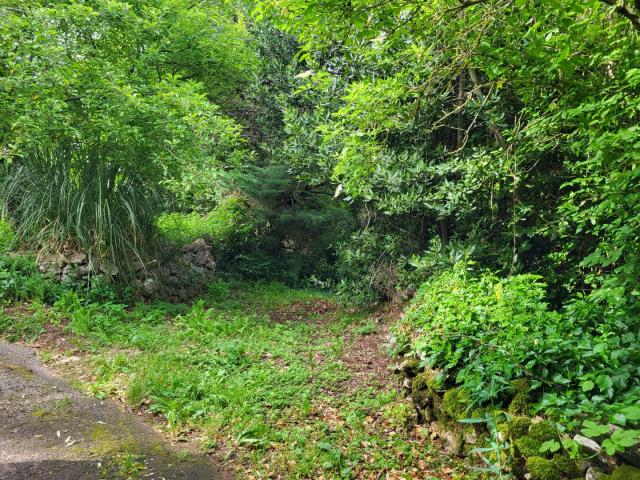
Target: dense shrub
x=230, y=224
x=21, y=280
x=298, y=226
x=7, y=236
x=368, y=264
x=484, y=332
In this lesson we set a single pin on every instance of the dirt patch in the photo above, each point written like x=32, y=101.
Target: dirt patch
x=312, y=311
x=367, y=359
x=366, y=353
x=56, y=339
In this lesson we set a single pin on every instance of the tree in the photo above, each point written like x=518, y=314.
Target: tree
x=128, y=89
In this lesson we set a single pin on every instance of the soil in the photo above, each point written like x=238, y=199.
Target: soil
x=49, y=431
x=366, y=358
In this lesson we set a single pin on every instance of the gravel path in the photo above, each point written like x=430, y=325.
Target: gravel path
x=50, y=431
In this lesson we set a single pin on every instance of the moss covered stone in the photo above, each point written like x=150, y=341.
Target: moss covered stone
x=529, y=445
x=421, y=381
x=411, y=367
x=526, y=447
x=543, y=431
x=427, y=414
x=420, y=391
x=452, y=433
x=518, y=467
x=423, y=388
x=515, y=427
x=543, y=469
x=625, y=472
x=400, y=415
x=455, y=403
x=566, y=466
x=427, y=379
x=520, y=385
x=519, y=404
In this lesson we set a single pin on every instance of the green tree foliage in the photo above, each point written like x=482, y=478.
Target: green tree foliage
x=297, y=226
x=507, y=131
x=132, y=90
x=507, y=124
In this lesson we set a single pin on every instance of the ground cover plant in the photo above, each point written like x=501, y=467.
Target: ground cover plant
x=261, y=373
x=577, y=364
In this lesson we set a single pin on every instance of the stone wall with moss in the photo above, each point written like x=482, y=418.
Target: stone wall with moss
x=450, y=416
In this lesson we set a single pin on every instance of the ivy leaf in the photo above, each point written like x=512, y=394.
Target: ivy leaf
x=620, y=440
x=632, y=412
x=550, y=446
x=562, y=380
x=619, y=419
x=587, y=385
x=592, y=429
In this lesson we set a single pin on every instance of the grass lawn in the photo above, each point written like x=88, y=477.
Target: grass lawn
x=274, y=382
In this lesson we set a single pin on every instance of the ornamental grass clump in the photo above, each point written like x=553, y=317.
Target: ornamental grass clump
x=70, y=198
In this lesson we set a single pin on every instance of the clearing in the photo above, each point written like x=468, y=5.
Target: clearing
x=270, y=382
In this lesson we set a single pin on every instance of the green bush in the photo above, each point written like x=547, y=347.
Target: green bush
x=7, y=236
x=21, y=280
x=485, y=332
x=230, y=224
x=299, y=227
x=368, y=264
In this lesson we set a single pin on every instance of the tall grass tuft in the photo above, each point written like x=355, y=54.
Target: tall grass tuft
x=68, y=198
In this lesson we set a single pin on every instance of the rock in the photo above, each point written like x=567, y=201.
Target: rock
x=594, y=473
x=588, y=444
x=409, y=367
x=150, y=286
x=456, y=403
x=66, y=273
x=519, y=404
x=451, y=434
x=110, y=269
x=593, y=449
x=83, y=271
x=584, y=465
x=427, y=414
x=52, y=260
x=625, y=472
x=198, y=255
x=196, y=245
x=471, y=435
x=406, y=385
x=540, y=468
x=77, y=258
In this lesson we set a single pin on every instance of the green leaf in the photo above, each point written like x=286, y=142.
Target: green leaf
x=587, y=385
x=550, y=446
x=632, y=412
x=592, y=429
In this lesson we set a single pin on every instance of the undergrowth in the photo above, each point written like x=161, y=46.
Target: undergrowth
x=267, y=389
x=484, y=332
